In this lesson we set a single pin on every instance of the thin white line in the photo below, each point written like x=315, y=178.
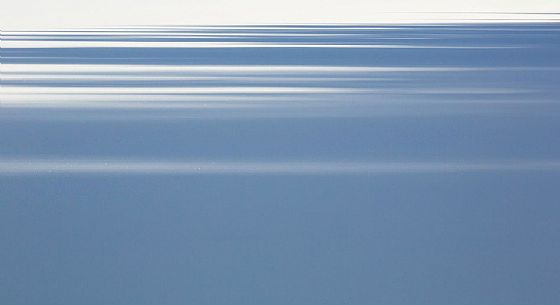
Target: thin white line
x=74, y=68
x=17, y=90
x=225, y=44
x=147, y=167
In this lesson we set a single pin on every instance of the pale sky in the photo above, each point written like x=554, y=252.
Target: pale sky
x=29, y=14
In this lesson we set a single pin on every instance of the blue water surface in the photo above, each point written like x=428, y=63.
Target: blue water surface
x=289, y=164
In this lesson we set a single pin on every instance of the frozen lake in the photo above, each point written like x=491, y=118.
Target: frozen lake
x=293, y=164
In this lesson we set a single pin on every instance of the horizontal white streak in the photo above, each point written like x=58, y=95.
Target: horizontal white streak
x=120, y=104
x=71, y=68
x=197, y=30
x=167, y=34
x=150, y=77
x=8, y=44
x=17, y=90
x=14, y=96
x=312, y=105
x=17, y=99
x=10, y=167
x=303, y=26
x=115, y=98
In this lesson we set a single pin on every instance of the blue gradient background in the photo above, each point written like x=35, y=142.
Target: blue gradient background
x=488, y=237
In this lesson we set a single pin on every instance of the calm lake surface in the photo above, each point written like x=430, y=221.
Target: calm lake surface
x=289, y=164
